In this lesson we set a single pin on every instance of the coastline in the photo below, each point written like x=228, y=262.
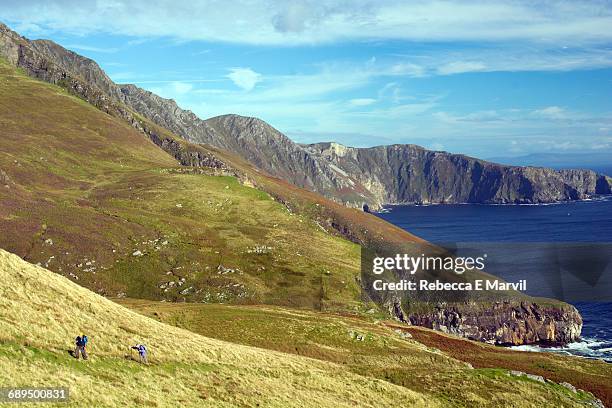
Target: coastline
x=387, y=207
x=545, y=223
x=581, y=349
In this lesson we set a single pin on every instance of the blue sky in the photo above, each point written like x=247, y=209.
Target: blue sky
x=485, y=78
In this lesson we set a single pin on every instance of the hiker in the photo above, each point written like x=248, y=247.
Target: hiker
x=142, y=352
x=81, y=343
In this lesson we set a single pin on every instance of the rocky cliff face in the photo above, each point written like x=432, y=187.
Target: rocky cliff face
x=411, y=174
x=505, y=323
x=398, y=174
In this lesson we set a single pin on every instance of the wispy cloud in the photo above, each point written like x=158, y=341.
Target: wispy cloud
x=83, y=47
x=512, y=36
x=458, y=67
x=181, y=88
x=523, y=130
x=201, y=52
x=176, y=90
x=362, y=101
x=309, y=22
x=510, y=58
x=551, y=112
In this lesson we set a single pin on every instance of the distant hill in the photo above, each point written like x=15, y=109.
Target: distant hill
x=380, y=175
x=412, y=174
x=599, y=162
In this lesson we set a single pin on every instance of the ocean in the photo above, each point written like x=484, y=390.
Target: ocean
x=511, y=234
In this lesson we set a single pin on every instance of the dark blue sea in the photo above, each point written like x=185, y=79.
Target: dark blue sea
x=569, y=244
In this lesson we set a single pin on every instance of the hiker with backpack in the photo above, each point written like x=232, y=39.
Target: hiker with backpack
x=80, y=349
x=142, y=352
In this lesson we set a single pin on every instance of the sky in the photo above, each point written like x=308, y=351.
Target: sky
x=485, y=78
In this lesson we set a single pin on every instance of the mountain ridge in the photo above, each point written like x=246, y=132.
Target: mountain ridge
x=402, y=174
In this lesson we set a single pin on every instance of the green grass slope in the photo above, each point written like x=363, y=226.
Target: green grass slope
x=588, y=374
x=41, y=313
x=87, y=196
x=374, y=348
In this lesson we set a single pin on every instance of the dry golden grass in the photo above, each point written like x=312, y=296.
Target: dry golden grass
x=431, y=367
x=41, y=313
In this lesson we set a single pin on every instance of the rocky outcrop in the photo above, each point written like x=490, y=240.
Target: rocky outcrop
x=505, y=323
x=84, y=67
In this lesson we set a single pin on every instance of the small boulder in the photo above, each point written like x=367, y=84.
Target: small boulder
x=569, y=387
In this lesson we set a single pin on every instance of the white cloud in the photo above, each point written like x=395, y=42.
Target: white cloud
x=181, y=88
x=362, y=101
x=172, y=90
x=490, y=57
x=295, y=17
x=244, y=78
x=408, y=69
x=474, y=117
x=201, y=52
x=83, y=47
x=512, y=36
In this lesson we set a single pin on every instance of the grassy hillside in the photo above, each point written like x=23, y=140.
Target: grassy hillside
x=588, y=374
x=87, y=196
x=41, y=313
x=376, y=349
